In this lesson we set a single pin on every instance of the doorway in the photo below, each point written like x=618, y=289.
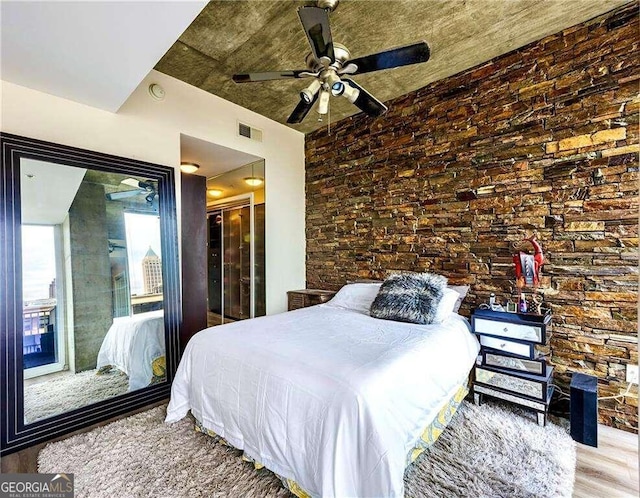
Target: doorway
x=236, y=263
x=231, y=268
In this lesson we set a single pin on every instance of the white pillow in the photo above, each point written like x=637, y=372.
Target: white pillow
x=447, y=305
x=356, y=297
x=462, y=292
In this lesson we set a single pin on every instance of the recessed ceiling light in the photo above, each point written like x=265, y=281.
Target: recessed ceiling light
x=189, y=167
x=214, y=192
x=254, y=181
x=156, y=91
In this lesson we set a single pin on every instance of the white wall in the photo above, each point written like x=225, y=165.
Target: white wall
x=149, y=130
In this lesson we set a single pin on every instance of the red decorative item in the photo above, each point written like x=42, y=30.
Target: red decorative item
x=528, y=266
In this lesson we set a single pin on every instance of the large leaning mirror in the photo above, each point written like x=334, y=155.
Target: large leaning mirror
x=91, y=304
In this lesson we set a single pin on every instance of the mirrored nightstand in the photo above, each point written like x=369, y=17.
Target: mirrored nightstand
x=509, y=366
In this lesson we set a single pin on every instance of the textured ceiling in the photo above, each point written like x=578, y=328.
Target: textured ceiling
x=244, y=36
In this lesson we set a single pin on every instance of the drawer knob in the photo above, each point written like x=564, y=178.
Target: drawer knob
x=503, y=344
x=505, y=329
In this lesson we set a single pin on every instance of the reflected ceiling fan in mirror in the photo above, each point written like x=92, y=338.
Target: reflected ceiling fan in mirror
x=328, y=62
x=116, y=245
x=147, y=188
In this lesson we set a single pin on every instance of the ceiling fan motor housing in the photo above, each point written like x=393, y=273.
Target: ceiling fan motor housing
x=327, y=75
x=328, y=4
x=341, y=55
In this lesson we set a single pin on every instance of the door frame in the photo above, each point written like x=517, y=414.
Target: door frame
x=238, y=201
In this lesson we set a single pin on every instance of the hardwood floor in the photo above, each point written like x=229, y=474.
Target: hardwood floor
x=611, y=470
x=214, y=319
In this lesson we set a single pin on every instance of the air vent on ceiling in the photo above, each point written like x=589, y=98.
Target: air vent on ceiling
x=245, y=130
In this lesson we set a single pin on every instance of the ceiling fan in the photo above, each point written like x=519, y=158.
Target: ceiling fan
x=116, y=245
x=329, y=61
x=148, y=189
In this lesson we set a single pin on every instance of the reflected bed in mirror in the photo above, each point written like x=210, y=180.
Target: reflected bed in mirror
x=92, y=265
x=92, y=287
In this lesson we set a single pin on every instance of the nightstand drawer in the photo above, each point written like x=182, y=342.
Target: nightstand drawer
x=296, y=301
x=536, y=405
x=495, y=359
x=523, y=332
x=516, y=326
x=513, y=347
x=531, y=386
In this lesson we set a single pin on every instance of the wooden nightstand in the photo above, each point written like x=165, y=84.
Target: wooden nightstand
x=509, y=366
x=308, y=297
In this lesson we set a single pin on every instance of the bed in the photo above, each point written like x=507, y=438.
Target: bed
x=326, y=397
x=135, y=345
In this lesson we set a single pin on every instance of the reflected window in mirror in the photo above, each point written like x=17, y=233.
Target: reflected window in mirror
x=43, y=319
x=144, y=260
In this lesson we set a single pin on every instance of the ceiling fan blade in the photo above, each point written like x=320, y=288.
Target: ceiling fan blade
x=367, y=102
x=315, y=22
x=301, y=110
x=396, y=57
x=132, y=182
x=114, y=196
x=148, y=185
x=271, y=75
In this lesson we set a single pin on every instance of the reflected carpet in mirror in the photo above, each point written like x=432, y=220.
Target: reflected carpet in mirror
x=68, y=391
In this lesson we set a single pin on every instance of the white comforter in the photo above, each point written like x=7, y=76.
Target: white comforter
x=328, y=397
x=132, y=344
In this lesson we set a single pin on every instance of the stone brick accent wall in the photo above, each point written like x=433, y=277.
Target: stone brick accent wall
x=542, y=140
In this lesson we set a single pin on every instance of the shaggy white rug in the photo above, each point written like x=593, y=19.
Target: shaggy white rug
x=487, y=451
x=68, y=392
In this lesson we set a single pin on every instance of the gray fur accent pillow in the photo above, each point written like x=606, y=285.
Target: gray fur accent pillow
x=412, y=298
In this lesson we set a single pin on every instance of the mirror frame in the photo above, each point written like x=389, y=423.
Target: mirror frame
x=15, y=435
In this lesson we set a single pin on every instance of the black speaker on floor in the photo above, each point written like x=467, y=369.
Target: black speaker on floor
x=584, y=409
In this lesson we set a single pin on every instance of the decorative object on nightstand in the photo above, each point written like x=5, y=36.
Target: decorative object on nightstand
x=308, y=297
x=528, y=266
x=509, y=366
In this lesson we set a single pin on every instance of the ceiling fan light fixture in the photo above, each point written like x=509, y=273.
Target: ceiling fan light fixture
x=215, y=192
x=323, y=105
x=337, y=88
x=189, y=168
x=346, y=90
x=330, y=77
x=309, y=93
